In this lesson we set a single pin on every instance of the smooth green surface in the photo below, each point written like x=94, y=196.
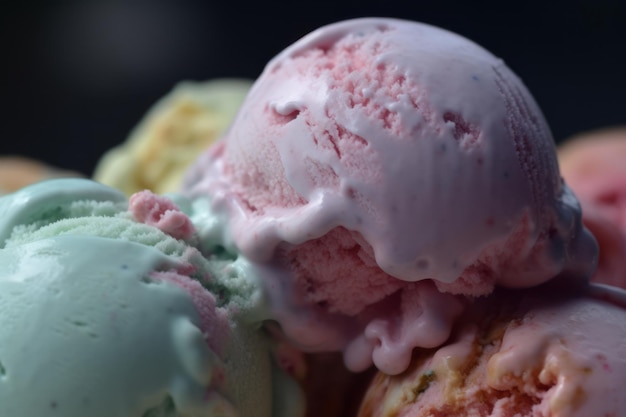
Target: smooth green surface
x=86, y=331
x=81, y=337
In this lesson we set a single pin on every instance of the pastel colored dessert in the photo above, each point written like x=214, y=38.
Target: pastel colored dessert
x=379, y=174
x=171, y=135
x=594, y=164
x=19, y=171
x=533, y=353
x=107, y=309
x=386, y=201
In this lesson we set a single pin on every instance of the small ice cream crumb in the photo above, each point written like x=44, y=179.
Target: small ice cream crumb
x=162, y=213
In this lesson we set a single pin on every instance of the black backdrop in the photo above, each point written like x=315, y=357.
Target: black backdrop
x=78, y=74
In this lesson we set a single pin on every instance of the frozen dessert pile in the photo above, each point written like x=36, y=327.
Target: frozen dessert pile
x=381, y=230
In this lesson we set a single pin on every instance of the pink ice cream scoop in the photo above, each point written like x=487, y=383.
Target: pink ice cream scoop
x=531, y=353
x=594, y=164
x=379, y=171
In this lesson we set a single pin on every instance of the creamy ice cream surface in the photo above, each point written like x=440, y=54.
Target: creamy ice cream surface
x=106, y=312
x=529, y=353
x=378, y=173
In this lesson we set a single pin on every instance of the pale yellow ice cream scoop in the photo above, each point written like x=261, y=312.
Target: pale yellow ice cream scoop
x=171, y=135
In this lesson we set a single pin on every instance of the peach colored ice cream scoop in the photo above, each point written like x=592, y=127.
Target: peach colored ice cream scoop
x=19, y=171
x=379, y=171
x=594, y=164
x=531, y=353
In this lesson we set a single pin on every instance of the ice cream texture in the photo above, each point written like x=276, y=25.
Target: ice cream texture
x=171, y=135
x=378, y=172
x=594, y=164
x=524, y=354
x=106, y=312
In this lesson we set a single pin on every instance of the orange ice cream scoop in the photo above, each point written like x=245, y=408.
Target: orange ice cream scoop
x=18, y=171
x=594, y=165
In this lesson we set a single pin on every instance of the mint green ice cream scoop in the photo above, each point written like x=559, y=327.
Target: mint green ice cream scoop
x=104, y=316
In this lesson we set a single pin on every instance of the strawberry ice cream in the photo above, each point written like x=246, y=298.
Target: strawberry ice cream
x=379, y=172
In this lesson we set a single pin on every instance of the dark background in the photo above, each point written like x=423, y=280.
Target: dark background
x=78, y=75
